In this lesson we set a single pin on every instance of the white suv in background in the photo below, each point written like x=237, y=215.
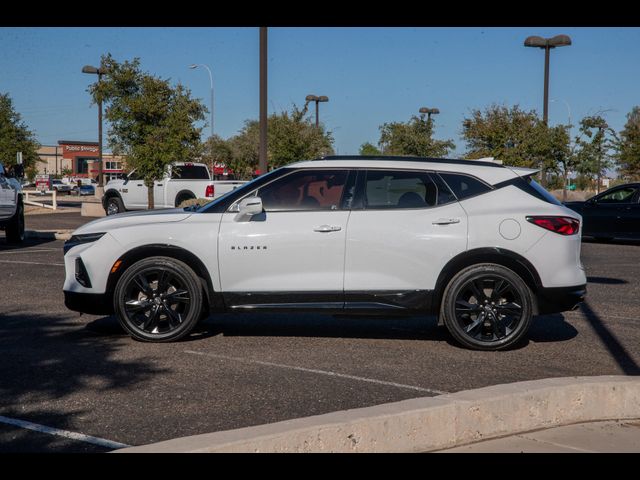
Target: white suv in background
x=11, y=207
x=479, y=244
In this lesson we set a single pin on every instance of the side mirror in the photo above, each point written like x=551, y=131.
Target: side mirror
x=247, y=208
x=592, y=201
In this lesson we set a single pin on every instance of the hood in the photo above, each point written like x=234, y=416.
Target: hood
x=129, y=219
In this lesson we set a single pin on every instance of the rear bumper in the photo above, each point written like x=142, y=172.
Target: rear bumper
x=93, y=303
x=560, y=299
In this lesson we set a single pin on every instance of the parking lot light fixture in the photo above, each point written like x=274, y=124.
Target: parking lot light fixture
x=547, y=44
x=317, y=99
x=98, y=71
x=429, y=112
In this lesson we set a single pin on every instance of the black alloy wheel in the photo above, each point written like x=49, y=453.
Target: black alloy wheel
x=158, y=299
x=487, y=307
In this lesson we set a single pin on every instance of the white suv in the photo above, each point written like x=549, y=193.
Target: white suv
x=479, y=244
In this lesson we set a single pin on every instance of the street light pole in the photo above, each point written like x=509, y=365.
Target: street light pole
x=317, y=99
x=547, y=44
x=98, y=71
x=196, y=65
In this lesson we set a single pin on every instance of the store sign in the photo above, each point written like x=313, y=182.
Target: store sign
x=79, y=149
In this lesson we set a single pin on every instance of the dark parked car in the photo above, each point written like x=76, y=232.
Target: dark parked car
x=614, y=213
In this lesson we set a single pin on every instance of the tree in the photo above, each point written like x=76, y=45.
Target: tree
x=628, y=149
x=15, y=137
x=512, y=135
x=290, y=137
x=413, y=138
x=593, y=147
x=369, y=149
x=152, y=123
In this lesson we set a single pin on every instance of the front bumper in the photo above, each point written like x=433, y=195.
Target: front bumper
x=560, y=299
x=93, y=303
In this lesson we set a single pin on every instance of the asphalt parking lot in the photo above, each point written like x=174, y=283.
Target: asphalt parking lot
x=83, y=384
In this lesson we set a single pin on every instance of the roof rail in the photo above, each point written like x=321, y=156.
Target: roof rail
x=399, y=158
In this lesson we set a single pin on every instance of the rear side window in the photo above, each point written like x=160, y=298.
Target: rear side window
x=464, y=186
x=190, y=172
x=403, y=189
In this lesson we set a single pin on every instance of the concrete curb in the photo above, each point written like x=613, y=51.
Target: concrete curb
x=431, y=423
x=49, y=234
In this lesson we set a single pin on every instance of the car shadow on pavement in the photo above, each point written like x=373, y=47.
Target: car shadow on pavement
x=606, y=280
x=548, y=328
x=29, y=242
x=50, y=370
x=620, y=354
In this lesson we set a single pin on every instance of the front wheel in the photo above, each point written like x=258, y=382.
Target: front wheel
x=15, y=227
x=487, y=307
x=114, y=206
x=158, y=299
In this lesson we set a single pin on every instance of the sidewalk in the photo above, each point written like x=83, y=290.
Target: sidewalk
x=574, y=414
x=593, y=437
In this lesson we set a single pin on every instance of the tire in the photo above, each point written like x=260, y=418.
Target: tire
x=15, y=227
x=183, y=197
x=158, y=299
x=114, y=206
x=487, y=307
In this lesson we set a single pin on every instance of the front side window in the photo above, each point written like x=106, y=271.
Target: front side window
x=305, y=190
x=403, y=189
x=622, y=195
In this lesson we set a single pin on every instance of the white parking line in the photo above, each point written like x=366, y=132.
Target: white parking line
x=321, y=372
x=16, y=251
x=62, y=433
x=31, y=263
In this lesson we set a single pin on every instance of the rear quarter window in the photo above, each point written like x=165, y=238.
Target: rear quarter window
x=464, y=186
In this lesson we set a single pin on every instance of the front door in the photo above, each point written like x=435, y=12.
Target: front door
x=293, y=253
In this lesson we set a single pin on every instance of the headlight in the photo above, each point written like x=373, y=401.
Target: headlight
x=80, y=239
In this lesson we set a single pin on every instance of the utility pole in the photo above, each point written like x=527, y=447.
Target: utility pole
x=262, y=159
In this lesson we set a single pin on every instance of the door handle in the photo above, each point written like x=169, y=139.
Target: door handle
x=159, y=185
x=445, y=221
x=139, y=184
x=327, y=228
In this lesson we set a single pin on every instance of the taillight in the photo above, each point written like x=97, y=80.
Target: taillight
x=561, y=225
x=210, y=191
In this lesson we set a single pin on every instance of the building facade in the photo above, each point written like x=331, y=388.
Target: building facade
x=78, y=159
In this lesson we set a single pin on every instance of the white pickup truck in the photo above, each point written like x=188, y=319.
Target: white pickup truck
x=11, y=207
x=184, y=181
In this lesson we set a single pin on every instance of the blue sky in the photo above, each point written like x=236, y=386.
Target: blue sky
x=371, y=75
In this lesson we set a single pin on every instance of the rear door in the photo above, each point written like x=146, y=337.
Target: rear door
x=7, y=197
x=404, y=227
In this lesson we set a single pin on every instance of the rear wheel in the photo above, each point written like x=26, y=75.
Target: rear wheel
x=15, y=227
x=158, y=299
x=487, y=307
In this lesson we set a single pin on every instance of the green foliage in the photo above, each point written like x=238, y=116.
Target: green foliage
x=512, y=135
x=290, y=138
x=628, y=149
x=15, y=136
x=369, y=149
x=593, y=146
x=152, y=123
x=414, y=138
